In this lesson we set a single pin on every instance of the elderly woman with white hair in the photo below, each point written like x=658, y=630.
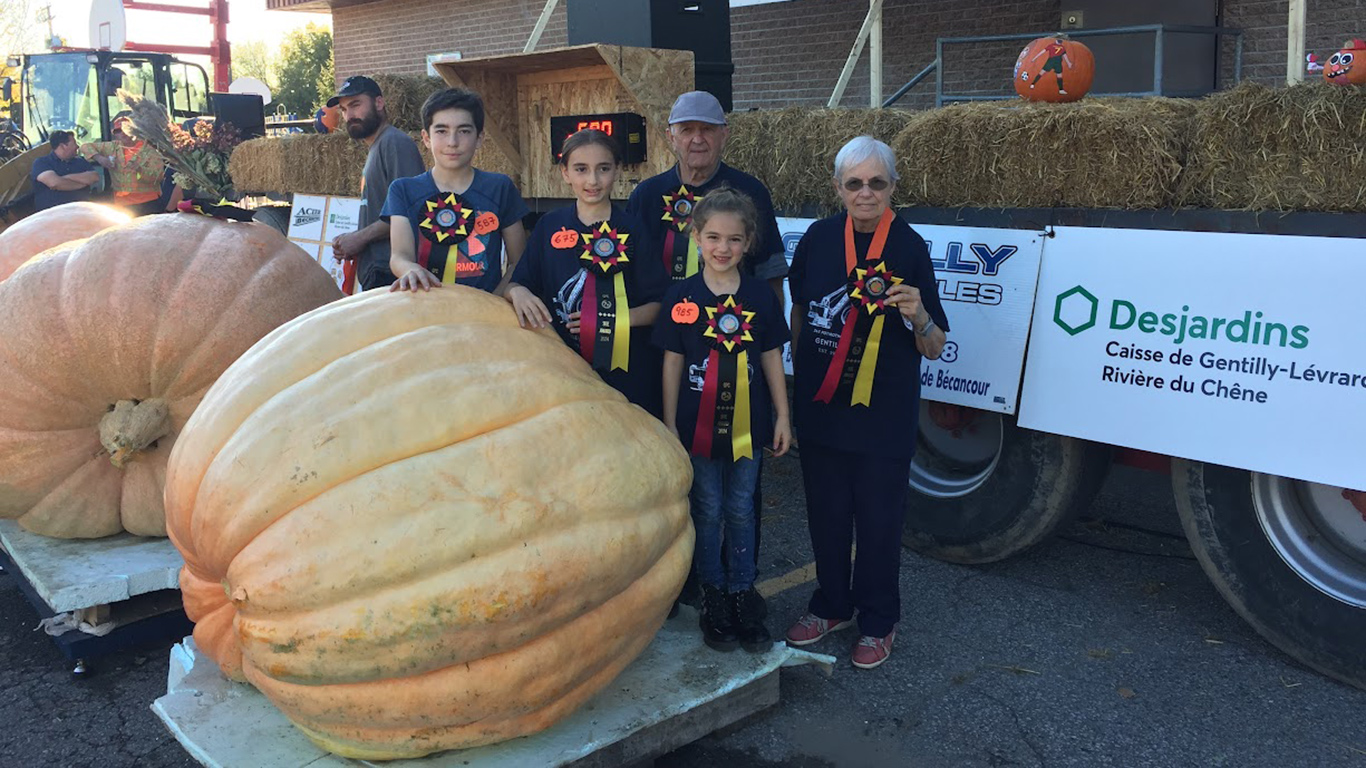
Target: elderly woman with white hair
x=865, y=309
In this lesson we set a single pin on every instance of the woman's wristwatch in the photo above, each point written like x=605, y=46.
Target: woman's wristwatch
x=929, y=325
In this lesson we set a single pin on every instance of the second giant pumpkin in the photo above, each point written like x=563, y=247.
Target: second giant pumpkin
x=106, y=347
x=52, y=227
x=416, y=526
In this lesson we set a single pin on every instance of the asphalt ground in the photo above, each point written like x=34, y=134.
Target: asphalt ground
x=1105, y=646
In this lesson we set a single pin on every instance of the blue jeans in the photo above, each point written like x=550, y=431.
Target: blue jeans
x=723, y=499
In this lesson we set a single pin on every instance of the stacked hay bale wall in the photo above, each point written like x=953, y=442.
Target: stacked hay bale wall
x=1278, y=149
x=1249, y=148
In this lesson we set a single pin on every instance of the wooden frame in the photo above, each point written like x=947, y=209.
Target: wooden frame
x=523, y=91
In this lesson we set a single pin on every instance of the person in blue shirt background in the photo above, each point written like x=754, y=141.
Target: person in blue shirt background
x=449, y=225
x=62, y=176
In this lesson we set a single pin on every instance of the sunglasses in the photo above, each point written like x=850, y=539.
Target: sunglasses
x=877, y=184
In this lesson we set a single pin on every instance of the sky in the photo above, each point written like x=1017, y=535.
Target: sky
x=247, y=20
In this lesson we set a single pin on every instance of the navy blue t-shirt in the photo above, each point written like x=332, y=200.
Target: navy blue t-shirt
x=556, y=276
x=818, y=281
x=45, y=197
x=769, y=332
x=477, y=256
x=766, y=259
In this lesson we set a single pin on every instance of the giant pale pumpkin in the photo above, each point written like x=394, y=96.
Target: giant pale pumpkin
x=416, y=526
x=52, y=227
x=1054, y=69
x=107, y=346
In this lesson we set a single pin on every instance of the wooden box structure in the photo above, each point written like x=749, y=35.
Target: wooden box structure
x=522, y=92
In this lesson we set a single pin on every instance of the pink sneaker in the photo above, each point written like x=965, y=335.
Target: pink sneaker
x=811, y=628
x=872, y=651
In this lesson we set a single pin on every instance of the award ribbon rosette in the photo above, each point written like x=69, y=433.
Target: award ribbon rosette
x=723, y=414
x=855, y=357
x=445, y=222
x=605, y=320
x=680, y=250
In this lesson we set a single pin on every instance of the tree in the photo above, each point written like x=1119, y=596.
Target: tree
x=304, y=54
x=254, y=59
x=20, y=31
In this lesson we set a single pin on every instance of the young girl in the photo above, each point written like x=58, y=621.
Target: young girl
x=586, y=273
x=723, y=333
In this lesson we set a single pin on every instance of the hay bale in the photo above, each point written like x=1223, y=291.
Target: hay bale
x=1279, y=149
x=301, y=163
x=330, y=164
x=1098, y=153
x=793, y=150
x=404, y=95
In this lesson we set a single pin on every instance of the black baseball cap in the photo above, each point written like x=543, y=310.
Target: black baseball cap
x=355, y=86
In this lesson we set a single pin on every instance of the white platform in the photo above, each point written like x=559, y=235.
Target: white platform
x=226, y=724
x=70, y=574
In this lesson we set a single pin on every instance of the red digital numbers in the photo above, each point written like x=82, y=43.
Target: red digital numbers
x=596, y=125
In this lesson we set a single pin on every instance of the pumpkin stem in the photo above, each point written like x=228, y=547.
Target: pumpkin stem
x=133, y=425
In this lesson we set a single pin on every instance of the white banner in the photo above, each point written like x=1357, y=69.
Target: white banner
x=316, y=220
x=986, y=281
x=1240, y=350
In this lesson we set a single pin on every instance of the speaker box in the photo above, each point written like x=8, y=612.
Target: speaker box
x=246, y=111
x=700, y=26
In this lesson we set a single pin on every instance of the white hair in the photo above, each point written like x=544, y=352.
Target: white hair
x=863, y=148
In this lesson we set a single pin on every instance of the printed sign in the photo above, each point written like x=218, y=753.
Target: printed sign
x=986, y=281
x=316, y=220
x=1222, y=348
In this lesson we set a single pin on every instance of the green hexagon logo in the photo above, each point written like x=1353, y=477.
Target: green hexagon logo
x=1075, y=310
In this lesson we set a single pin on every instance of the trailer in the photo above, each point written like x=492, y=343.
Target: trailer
x=1223, y=348
x=675, y=692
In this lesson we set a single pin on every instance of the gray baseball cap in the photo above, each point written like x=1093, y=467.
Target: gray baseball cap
x=699, y=106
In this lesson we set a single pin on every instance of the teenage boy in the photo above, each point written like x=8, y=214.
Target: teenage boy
x=450, y=224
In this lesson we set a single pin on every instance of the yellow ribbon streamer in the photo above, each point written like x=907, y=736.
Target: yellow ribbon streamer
x=863, y=382
x=692, y=257
x=621, y=331
x=741, y=441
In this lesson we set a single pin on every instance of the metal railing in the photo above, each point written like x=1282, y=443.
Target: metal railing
x=1160, y=33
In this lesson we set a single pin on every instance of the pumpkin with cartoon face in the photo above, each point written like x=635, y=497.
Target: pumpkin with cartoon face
x=1347, y=66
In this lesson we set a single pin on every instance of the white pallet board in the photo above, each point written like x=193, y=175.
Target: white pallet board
x=70, y=574
x=221, y=723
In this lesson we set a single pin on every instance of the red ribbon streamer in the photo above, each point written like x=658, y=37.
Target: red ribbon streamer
x=349, y=286
x=836, y=369
x=588, y=317
x=706, y=410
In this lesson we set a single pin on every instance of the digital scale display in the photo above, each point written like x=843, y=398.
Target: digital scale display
x=627, y=128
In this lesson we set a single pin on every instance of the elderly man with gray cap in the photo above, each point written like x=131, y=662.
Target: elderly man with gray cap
x=393, y=155
x=697, y=134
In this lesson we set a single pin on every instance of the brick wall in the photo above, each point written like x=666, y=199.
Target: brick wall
x=1328, y=24
x=790, y=53
x=395, y=36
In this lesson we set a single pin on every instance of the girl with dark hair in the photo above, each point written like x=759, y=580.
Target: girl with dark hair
x=723, y=334
x=584, y=274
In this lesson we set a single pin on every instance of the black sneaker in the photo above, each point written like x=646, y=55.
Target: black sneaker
x=749, y=611
x=718, y=627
